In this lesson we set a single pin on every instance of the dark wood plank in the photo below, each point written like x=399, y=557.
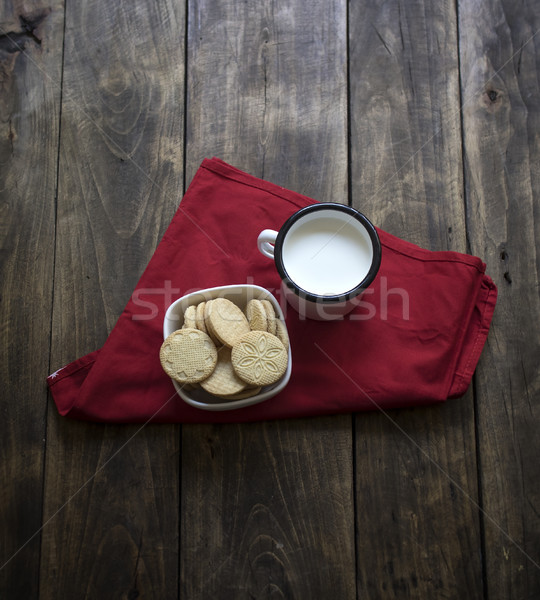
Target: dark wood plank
x=267, y=508
x=267, y=92
x=418, y=533
x=120, y=179
x=30, y=72
x=501, y=123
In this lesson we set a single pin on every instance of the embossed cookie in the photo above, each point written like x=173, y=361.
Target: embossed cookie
x=189, y=318
x=199, y=317
x=224, y=381
x=208, y=325
x=256, y=316
x=247, y=393
x=259, y=358
x=188, y=355
x=281, y=333
x=226, y=321
x=270, y=316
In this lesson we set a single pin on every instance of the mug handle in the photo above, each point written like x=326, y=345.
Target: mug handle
x=266, y=241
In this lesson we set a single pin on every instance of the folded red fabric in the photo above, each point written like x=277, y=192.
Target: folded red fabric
x=414, y=339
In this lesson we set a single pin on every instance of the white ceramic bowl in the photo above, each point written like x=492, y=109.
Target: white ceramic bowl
x=240, y=295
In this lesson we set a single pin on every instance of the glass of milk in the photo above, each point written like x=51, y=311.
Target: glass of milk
x=326, y=254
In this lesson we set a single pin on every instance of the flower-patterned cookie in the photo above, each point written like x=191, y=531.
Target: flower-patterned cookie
x=259, y=358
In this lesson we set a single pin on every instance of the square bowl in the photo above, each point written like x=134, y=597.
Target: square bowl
x=240, y=295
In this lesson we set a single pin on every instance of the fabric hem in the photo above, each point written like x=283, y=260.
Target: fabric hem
x=222, y=168
x=71, y=368
x=462, y=379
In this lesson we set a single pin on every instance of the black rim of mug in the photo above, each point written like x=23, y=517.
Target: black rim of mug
x=368, y=279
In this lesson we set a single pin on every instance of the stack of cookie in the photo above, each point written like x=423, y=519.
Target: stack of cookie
x=230, y=353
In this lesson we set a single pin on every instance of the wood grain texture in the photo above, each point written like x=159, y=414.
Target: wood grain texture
x=501, y=123
x=267, y=508
x=368, y=506
x=30, y=72
x=416, y=480
x=267, y=91
x=120, y=179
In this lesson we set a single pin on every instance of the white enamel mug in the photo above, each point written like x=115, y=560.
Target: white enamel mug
x=326, y=254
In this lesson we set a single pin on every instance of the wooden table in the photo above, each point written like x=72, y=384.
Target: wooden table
x=426, y=116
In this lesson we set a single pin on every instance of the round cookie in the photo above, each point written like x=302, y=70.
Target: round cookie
x=270, y=316
x=259, y=358
x=281, y=333
x=256, y=316
x=189, y=387
x=208, y=325
x=188, y=355
x=247, y=393
x=199, y=317
x=224, y=381
x=226, y=321
x=189, y=318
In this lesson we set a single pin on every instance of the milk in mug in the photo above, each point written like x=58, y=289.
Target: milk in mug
x=327, y=257
x=326, y=254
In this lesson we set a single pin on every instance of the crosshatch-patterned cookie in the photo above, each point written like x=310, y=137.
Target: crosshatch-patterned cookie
x=259, y=358
x=199, y=317
x=247, y=393
x=281, y=333
x=189, y=318
x=188, y=355
x=270, y=316
x=224, y=381
x=256, y=315
x=226, y=321
x=208, y=325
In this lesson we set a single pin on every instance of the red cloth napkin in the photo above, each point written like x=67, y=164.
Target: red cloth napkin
x=415, y=338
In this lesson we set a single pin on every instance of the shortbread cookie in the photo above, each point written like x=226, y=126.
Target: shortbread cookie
x=199, y=317
x=259, y=358
x=224, y=381
x=256, y=316
x=189, y=318
x=189, y=387
x=270, y=316
x=208, y=325
x=226, y=321
x=281, y=333
x=247, y=393
x=188, y=355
